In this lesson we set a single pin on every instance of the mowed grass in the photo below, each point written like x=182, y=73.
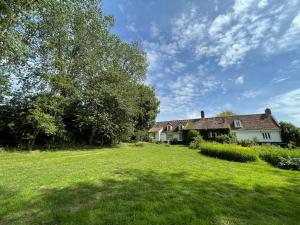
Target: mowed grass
x=153, y=184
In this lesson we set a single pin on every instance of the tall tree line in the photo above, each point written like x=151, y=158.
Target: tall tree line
x=66, y=78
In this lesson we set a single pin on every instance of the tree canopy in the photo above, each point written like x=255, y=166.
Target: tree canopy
x=66, y=78
x=227, y=113
x=290, y=134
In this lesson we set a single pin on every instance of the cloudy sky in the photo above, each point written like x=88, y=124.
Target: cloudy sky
x=239, y=55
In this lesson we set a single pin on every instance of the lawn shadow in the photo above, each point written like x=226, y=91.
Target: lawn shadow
x=139, y=197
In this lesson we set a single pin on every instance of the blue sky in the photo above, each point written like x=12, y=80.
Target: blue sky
x=239, y=55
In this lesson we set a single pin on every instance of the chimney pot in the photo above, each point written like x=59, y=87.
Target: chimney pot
x=202, y=114
x=268, y=111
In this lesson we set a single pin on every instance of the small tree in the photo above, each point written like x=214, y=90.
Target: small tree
x=226, y=138
x=226, y=113
x=196, y=143
x=290, y=133
x=189, y=136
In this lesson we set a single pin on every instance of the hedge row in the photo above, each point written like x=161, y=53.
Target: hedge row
x=228, y=152
x=282, y=158
x=278, y=157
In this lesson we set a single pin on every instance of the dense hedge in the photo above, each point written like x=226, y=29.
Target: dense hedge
x=282, y=158
x=228, y=152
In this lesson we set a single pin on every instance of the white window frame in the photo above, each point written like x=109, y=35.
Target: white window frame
x=266, y=135
x=237, y=124
x=169, y=127
x=180, y=127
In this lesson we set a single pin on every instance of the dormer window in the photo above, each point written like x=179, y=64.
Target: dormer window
x=169, y=127
x=237, y=124
x=180, y=127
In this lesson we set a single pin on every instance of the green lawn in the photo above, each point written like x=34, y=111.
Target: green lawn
x=154, y=184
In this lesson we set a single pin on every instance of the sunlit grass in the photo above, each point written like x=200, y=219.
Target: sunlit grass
x=146, y=184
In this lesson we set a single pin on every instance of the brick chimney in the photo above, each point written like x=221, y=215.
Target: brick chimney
x=268, y=112
x=202, y=115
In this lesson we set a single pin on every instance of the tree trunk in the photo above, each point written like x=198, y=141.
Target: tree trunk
x=91, y=140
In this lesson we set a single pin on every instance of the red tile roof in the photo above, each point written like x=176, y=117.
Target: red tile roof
x=249, y=122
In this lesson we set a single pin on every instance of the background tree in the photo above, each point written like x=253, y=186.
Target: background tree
x=290, y=134
x=226, y=113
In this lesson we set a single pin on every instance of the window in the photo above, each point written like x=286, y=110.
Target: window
x=180, y=137
x=180, y=127
x=266, y=136
x=237, y=124
x=169, y=127
x=210, y=134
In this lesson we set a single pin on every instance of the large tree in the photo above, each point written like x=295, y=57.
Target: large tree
x=73, y=80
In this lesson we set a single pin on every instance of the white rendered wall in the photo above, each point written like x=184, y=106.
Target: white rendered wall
x=242, y=135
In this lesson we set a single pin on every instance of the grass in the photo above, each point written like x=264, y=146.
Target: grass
x=150, y=184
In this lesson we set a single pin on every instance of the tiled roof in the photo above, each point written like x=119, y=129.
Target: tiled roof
x=249, y=122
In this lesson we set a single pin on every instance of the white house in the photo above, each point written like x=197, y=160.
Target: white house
x=263, y=127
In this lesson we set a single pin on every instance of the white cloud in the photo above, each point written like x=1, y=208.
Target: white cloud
x=239, y=80
x=287, y=104
x=131, y=27
x=290, y=39
x=218, y=24
x=295, y=62
x=277, y=80
x=251, y=93
x=154, y=30
x=263, y=4
x=249, y=25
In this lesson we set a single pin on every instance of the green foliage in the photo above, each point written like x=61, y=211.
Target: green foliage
x=197, y=142
x=248, y=142
x=188, y=136
x=282, y=158
x=228, y=152
x=290, y=133
x=78, y=90
x=174, y=141
x=226, y=138
x=226, y=113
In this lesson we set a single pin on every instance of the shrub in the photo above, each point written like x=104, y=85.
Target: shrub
x=189, y=136
x=158, y=142
x=196, y=143
x=248, y=142
x=228, y=152
x=226, y=139
x=174, y=141
x=290, y=133
x=292, y=145
x=282, y=158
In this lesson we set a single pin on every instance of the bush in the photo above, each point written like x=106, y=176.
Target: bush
x=282, y=158
x=226, y=139
x=189, y=136
x=196, y=143
x=228, y=152
x=158, y=142
x=174, y=141
x=248, y=142
x=290, y=133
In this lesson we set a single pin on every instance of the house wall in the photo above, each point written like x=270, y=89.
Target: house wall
x=242, y=135
x=170, y=136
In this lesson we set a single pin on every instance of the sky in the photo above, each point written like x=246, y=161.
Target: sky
x=216, y=55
